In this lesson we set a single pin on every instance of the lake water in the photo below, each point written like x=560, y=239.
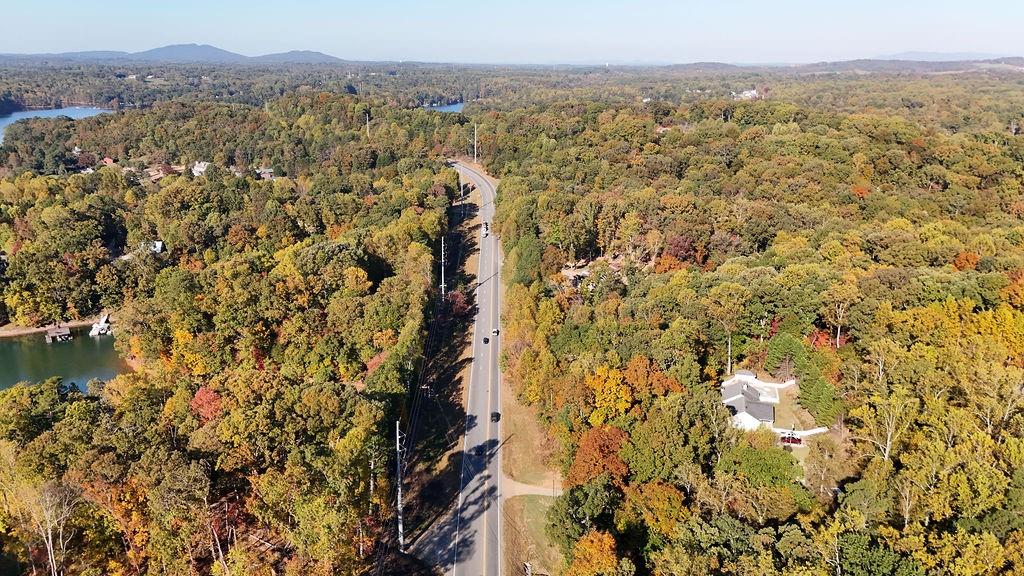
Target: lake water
x=457, y=107
x=75, y=112
x=30, y=358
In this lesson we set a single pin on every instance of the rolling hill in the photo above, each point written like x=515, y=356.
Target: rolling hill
x=298, y=57
x=187, y=54
x=201, y=53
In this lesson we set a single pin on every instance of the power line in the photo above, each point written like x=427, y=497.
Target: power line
x=410, y=436
x=398, y=473
x=402, y=454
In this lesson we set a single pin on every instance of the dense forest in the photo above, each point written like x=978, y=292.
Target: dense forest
x=987, y=99
x=28, y=84
x=878, y=260
x=862, y=234
x=273, y=337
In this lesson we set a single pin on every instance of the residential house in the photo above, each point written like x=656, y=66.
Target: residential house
x=751, y=94
x=154, y=246
x=199, y=168
x=751, y=401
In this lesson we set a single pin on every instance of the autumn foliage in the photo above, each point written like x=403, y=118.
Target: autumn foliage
x=966, y=261
x=598, y=453
x=594, y=555
x=206, y=404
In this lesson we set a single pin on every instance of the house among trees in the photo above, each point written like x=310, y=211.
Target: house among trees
x=199, y=168
x=751, y=94
x=154, y=246
x=751, y=401
x=575, y=273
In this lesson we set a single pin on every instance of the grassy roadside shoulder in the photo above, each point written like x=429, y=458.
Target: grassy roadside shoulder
x=525, y=540
x=529, y=454
x=529, y=451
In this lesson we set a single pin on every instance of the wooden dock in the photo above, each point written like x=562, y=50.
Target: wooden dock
x=58, y=334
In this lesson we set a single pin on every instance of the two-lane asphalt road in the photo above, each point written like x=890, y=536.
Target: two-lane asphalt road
x=476, y=546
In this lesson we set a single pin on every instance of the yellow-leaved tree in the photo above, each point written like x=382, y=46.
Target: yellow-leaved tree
x=595, y=555
x=612, y=396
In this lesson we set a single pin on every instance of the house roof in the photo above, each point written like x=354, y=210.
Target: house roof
x=760, y=410
x=743, y=396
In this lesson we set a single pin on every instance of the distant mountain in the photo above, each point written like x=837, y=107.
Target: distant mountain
x=199, y=53
x=186, y=54
x=297, y=57
x=940, y=56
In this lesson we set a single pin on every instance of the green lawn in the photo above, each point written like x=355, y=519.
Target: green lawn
x=528, y=449
x=525, y=540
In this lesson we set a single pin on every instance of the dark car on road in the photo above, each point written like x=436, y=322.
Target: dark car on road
x=495, y=416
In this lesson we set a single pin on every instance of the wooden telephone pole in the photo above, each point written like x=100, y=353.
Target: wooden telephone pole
x=398, y=472
x=444, y=255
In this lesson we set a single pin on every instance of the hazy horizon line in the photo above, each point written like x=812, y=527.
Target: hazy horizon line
x=926, y=56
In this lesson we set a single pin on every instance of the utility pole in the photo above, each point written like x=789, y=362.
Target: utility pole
x=398, y=471
x=443, y=257
x=360, y=537
x=474, y=143
x=463, y=196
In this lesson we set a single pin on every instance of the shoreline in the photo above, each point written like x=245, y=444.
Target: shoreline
x=15, y=331
x=66, y=105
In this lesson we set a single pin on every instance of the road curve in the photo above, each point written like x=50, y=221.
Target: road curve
x=476, y=546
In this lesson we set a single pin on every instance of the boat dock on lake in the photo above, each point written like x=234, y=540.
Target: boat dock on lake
x=58, y=334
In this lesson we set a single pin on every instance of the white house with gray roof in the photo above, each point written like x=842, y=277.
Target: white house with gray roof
x=750, y=400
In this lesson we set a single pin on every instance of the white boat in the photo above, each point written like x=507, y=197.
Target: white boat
x=101, y=328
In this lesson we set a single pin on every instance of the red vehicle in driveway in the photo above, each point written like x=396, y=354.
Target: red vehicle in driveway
x=791, y=440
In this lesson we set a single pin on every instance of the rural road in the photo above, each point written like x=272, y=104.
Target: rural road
x=476, y=547
x=466, y=541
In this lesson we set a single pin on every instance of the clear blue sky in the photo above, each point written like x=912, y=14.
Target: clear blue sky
x=527, y=31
